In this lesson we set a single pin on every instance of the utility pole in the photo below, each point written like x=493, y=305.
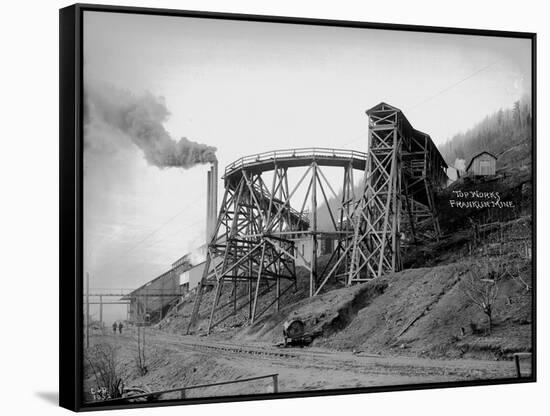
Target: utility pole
x=87, y=310
x=101, y=310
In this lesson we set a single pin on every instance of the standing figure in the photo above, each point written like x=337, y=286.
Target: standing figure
x=114, y=327
x=120, y=327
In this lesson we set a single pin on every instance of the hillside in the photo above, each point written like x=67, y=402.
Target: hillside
x=424, y=312
x=421, y=311
x=506, y=134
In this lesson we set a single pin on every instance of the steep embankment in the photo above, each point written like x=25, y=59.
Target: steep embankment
x=419, y=312
x=425, y=311
x=324, y=315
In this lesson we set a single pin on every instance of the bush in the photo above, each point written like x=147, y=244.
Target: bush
x=102, y=361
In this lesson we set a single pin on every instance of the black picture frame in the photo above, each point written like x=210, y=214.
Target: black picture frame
x=71, y=200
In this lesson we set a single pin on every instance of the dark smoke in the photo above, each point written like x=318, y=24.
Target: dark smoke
x=141, y=118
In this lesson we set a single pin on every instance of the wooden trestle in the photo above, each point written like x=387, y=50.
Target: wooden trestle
x=253, y=243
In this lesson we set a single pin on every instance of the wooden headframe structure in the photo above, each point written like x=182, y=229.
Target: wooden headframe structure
x=397, y=206
x=253, y=242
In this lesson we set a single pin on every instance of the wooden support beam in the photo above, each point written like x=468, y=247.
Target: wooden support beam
x=313, y=272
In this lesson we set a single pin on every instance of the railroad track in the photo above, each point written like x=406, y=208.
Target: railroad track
x=311, y=357
x=369, y=363
x=235, y=349
x=320, y=359
x=259, y=351
x=226, y=348
x=265, y=352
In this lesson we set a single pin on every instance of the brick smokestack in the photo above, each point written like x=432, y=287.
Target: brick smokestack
x=208, y=204
x=211, y=201
x=214, y=194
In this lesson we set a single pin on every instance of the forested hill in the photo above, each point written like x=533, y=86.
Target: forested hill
x=506, y=134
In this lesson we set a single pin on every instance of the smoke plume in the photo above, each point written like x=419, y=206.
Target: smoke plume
x=197, y=256
x=460, y=164
x=141, y=118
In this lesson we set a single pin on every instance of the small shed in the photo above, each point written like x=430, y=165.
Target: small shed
x=482, y=164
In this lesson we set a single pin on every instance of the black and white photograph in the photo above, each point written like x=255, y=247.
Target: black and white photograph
x=276, y=208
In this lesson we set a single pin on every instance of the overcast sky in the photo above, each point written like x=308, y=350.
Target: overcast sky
x=247, y=87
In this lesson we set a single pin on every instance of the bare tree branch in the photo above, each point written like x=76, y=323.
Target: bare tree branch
x=481, y=285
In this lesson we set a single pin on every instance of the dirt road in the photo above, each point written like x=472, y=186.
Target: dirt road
x=176, y=360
